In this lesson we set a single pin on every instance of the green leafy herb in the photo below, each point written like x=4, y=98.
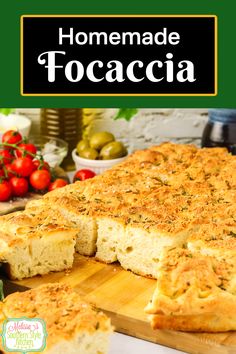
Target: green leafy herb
x=6, y=111
x=126, y=113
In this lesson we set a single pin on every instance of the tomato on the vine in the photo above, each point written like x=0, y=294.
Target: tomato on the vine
x=58, y=183
x=5, y=157
x=41, y=165
x=20, y=186
x=20, y=167
x=40, y=179
x=82, y=175
x=23, y=166
x=11, y=137
x=9, y=170
x=5, y=190
x=26, y=150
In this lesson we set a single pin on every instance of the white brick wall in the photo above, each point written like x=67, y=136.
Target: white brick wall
x=148, y=127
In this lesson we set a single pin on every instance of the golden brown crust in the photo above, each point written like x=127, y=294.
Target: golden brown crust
x=69, y=314
x=169, y=183
x=35, y=222
x=169, y=191
x=191, y=287
x=194, y=323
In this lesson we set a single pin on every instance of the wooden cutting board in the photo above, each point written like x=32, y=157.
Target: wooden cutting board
x=17, y=203
x=123, y=296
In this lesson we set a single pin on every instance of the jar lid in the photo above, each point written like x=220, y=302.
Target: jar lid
x=222, y=115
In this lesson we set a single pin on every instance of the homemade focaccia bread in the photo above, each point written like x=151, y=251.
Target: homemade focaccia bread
x=73, y=326
x=36, y=241
x=167, y=197
x=155, y=199
x=194, y=292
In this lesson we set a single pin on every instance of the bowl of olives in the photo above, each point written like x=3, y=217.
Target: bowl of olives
x=99, y=153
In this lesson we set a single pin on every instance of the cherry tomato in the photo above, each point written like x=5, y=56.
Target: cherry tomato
x=26, y=150
x=58, y=183
x=11, y=137
x=19, y=186
x=2, y=174
x=41, y=165
x=9, y=170
x=82, y=175
x=5, y=190
x=40, y=179
x=5, y=157
x=23, y=166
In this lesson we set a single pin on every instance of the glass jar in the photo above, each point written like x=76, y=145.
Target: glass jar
x=66, y=124
x=220, y=129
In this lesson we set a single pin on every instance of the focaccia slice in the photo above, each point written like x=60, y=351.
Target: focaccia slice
x=71, y=203
x=73, y=326
x=194, y=293
x=36, y=241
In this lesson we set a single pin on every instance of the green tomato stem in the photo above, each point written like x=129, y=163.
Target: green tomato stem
x=16, y=147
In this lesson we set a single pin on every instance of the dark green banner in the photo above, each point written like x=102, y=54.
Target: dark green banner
x=10, y=93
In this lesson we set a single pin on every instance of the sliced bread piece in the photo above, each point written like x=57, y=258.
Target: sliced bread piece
x=36, y=242
x=194, y=293
x=75, y=210
x=73, y=326
x=140, y=249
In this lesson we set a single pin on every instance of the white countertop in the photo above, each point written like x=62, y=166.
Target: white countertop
x=122, y=344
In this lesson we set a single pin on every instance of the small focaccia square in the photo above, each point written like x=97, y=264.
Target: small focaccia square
x=139, y=250
x=73, y=326
x=194, y=293
x=145, y=238
x=75, y=210
x=36, y=241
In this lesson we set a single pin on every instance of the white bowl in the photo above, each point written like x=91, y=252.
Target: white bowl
x=97, y=166
x=15, y=122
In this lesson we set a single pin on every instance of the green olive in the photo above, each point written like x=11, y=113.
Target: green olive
x=82, y=144
x=113, y=150
x=98, y=140
x=89, y=153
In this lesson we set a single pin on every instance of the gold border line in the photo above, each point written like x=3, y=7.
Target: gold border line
x=21, y=55
x=120, y=15
x=216, y=55
x=121, y=94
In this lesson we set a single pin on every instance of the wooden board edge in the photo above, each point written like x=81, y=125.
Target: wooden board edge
x=165, y=337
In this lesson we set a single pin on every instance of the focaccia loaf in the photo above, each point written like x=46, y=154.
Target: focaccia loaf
x=73, y=326
x=167, y=197
x=155, y=199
